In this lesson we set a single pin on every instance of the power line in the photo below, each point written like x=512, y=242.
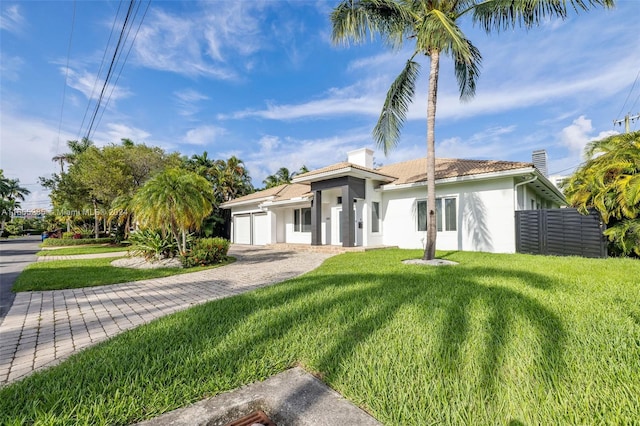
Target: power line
x=628, y=95
x=104, y=56
x=109, y=71
x=113, y=86
x=66, y=76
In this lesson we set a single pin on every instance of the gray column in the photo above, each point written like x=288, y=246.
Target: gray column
x=348, y=217
x=316, y=219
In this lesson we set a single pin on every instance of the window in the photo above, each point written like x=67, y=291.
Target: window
x=375, y=216
x=422, y=215
x=448, y=223
x=450, y=219
x=302, y=220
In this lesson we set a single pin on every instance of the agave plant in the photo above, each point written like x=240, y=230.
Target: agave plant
x=152, y=244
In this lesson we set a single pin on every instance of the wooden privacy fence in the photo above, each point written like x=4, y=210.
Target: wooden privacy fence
x=560, y=232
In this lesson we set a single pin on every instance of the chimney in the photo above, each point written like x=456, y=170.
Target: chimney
x=539, y=159
x=361, y=157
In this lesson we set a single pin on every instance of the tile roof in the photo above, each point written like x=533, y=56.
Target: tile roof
x=279, y=193
x=412, y=171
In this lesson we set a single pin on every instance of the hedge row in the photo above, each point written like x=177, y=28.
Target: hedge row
x=61, y=242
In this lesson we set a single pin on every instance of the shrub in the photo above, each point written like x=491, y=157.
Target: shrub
x=75, y=236
x=152, y=244
x=206, y=251
x=59, y=242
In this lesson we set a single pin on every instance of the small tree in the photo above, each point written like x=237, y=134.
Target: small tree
x=175, y=201
x=610, y=182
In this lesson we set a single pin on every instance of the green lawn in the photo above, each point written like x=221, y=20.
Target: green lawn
x=63, y=274
x=498, y=339
x=91, y=249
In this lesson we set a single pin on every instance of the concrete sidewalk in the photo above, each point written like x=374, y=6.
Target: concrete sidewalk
x=45, y=327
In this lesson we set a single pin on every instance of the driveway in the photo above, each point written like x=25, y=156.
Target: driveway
x=15, y=255
x=42, y=328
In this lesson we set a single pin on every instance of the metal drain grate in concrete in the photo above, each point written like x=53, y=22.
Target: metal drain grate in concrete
x=292, y=398
x=255, y=418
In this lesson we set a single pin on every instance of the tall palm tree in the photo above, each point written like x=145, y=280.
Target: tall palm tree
x=175, y=201
x=77, y=148
x=231, y=179
x=11, y=193
x=433, y=27
x=280, y=177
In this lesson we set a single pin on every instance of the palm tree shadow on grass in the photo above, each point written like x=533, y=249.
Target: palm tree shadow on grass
x=231, y=342
x=506, y=308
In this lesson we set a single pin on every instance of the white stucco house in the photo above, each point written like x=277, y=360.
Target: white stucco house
x=354, y=204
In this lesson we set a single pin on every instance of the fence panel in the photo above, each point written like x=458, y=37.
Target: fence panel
x=560, y=232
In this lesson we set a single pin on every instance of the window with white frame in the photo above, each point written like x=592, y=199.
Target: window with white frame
x=375, y=216
x=446, y=223
x=302, y=220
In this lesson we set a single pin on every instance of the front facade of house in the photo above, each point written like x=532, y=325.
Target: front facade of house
x=352, y=204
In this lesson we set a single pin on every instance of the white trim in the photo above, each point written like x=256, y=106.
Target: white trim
x=232, y=203
x=345, y=171
x=289, y=202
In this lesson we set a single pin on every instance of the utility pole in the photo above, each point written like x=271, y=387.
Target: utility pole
x=627, y=120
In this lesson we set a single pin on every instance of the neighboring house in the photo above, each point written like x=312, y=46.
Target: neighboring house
x=353, y=204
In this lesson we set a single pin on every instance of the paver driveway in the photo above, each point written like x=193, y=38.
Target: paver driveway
x=45, y=327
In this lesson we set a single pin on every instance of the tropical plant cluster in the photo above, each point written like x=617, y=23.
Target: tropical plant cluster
x=120, y=187
x=152, y=244
x=609, y=181
x=11, y=193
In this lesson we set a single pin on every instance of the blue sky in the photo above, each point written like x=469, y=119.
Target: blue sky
x=261, y=80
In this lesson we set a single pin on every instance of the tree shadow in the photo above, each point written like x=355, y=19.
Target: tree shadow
x=231, y=342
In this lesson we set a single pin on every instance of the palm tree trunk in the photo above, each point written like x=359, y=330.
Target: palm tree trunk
x=432, y=232
x=96, y=220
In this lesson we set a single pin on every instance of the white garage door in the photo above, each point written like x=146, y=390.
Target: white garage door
x=242, y=229
x=260, y=229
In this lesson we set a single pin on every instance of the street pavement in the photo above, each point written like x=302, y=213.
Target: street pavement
x=43, y=328
x=15, y=255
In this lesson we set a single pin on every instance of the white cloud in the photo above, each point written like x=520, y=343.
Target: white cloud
x=209, y=43
x=27, y=145
x=190, y=95
x=489, y=143
x=116, y=132
x=275, y=152
x=366, y=97
x=269, y=143
x=187, y=101
x=88, y=85
x=11, y=19
x=10, y=67
x=573, y=138
x=204, y=135
x=579, y=133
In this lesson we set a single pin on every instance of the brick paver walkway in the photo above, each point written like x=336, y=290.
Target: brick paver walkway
x=45, y=327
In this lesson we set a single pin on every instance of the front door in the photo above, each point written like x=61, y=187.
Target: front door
x=336, y=227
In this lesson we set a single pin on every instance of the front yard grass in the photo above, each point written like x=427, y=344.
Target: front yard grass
x=66, y=274
x=498, y=339
x=90, y=249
